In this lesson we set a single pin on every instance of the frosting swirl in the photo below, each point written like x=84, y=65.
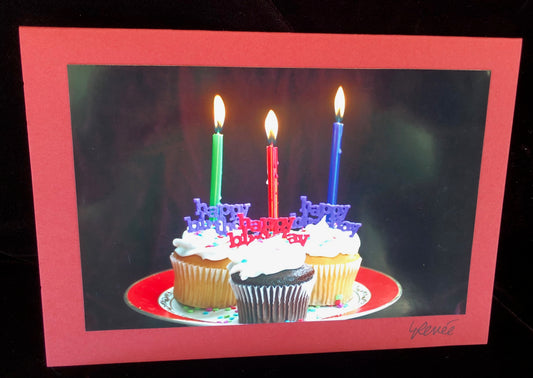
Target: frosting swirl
x=325, y=241
x=206, y=244
x=266, y=256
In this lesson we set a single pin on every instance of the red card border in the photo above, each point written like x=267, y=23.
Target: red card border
x=46, y=52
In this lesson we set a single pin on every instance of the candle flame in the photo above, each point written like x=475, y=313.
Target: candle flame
x=271, y=126
x=220, y=113
x=339, y=105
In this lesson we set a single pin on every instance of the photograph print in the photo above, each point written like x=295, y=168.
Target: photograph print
x=237, y=195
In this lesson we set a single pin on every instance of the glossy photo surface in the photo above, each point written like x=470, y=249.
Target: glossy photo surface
x=409, y=168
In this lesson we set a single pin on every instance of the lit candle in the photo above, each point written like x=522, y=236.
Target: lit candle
x=217, y=152
x=336, y=148
x=271, y=128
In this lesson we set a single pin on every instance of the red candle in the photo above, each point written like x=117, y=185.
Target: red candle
x=271, y=128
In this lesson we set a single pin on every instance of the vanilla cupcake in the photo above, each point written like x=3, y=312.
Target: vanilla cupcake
x=201, y=278
x=334, y=254
x=271, y=281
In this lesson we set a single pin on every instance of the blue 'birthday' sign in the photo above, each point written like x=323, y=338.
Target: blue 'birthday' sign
x=335, y=215
x=223, y=217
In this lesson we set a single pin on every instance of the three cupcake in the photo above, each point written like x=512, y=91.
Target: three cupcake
x=270, y=280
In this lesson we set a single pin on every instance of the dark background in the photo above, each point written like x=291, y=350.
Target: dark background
x=510, y=338
x=409, y=168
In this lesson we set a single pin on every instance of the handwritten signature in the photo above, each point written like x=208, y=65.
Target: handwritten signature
x=426, y=329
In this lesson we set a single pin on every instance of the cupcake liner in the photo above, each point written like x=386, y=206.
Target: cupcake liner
x=272, y=304
x=334, y=282
x=197, y=286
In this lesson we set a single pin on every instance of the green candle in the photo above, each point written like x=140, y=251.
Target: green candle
x=217, y=152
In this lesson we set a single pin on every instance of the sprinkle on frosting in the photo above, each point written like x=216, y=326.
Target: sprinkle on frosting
x=266, y=256
x=207, y=244
x=329, y=242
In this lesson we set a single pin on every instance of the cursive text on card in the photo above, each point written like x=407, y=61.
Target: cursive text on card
x=426, y=329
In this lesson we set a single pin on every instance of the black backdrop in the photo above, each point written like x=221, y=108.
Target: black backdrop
x=511, y=321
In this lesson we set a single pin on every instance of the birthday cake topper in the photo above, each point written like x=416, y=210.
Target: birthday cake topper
x=335, y=214
x=216, y=217
x=265, y=228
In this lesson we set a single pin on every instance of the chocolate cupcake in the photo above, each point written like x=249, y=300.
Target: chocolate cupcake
x=271, y=282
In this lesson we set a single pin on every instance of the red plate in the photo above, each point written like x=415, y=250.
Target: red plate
x=152, y=296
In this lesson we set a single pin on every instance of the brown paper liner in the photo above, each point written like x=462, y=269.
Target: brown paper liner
x=332, y=281
x=272, y=304
x=198, y=286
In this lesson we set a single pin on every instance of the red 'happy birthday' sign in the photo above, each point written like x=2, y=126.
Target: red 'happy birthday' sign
x=264, y=228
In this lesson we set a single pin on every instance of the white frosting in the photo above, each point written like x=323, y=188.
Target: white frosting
x=266, y=256
x=325, y=241
x=206, y=243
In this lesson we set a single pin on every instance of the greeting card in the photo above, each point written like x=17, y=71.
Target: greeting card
x=220, y=194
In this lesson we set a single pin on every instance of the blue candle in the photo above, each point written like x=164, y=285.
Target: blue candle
x=336, y=148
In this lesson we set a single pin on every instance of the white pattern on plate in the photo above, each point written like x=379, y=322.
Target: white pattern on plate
x=229, y=315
